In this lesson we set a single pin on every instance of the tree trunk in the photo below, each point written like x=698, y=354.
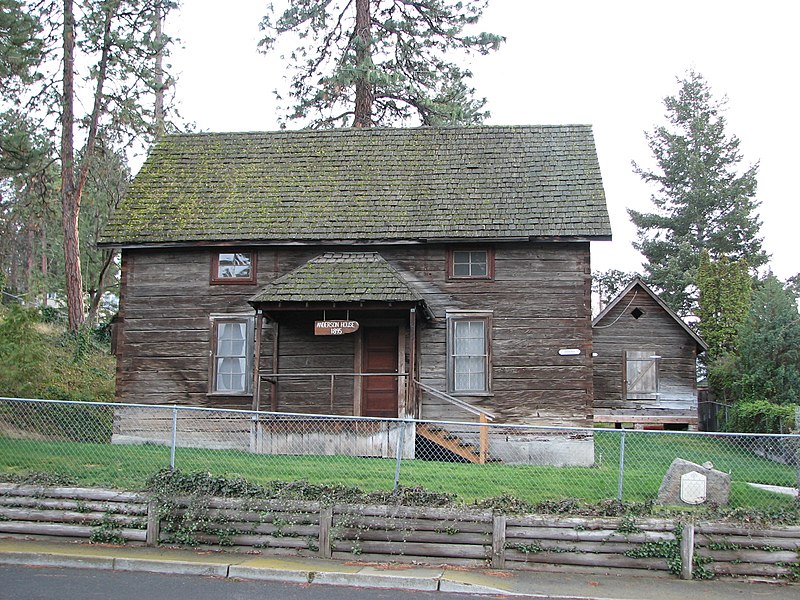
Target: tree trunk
x=43, y=241
x=31, y=261
x=363, y=39
x=97, y=295
x=70, y=201
x=158, y=112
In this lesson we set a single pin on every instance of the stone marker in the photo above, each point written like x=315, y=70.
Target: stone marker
x=689, y=483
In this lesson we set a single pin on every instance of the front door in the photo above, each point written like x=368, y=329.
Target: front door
x=379, y=355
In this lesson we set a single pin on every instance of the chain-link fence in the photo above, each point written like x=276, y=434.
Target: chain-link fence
x=121, y=445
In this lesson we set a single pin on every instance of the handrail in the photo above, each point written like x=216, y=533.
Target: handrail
x=455, y=401
x=264, y=375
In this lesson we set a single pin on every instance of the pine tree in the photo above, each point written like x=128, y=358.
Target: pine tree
x=704, y=200
x=20, y=46
x=108, y=55
x=381, y=62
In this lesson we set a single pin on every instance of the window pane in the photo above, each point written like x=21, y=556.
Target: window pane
x=231, y=374
x=469, y=338
x=469, y=374
x=461, y=269
x=234, y=265
x=231, y=340
x=473, y=263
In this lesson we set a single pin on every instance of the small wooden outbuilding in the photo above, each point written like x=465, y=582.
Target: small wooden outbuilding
x=645, y=362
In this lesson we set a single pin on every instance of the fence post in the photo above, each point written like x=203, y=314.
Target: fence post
x=399, y=454
x=153, y=524
x=499, y=542
x=687, y=551
x=325, y=524
x=797, y=447
x=621, y=475
x=483, y=453
x=174, y=438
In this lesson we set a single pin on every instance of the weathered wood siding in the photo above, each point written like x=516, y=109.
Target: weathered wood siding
x=165, y=329
x=539, y=298
x=654, y=331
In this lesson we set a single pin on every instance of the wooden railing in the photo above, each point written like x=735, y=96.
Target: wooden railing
x=484, y=416
x=273, y=378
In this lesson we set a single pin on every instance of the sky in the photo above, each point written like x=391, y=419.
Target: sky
x=607, y=64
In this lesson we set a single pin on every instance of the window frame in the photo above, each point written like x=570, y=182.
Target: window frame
x=452, y=318
x=216, y=279
x=489, y=276
x=220, y=319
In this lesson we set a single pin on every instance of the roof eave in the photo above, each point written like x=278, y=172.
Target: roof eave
x=153, y=245
x=272, y=306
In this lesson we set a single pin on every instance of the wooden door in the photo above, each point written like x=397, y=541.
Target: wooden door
x=379, y=355
x=641, y=375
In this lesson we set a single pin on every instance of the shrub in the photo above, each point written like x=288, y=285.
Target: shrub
x=760, y=416
x=42, y=361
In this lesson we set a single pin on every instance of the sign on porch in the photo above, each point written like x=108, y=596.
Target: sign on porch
x=335, y=327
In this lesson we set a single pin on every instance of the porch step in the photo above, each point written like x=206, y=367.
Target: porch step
x=451, y=442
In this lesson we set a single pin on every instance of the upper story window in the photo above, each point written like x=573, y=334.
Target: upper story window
x=470, y=264
x=233, y=267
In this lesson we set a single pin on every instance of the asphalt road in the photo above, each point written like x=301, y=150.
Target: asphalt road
x=44, y=583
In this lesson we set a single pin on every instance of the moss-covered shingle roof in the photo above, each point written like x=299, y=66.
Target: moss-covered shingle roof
x=340, y=277
x=353, y=185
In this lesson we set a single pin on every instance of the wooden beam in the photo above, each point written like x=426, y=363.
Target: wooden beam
x=259, y=323
x=273, y=391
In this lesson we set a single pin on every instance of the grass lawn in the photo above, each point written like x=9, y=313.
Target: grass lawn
x=647, y=458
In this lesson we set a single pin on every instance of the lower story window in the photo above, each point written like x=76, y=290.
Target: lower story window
x=468, y=353
x=232, y=351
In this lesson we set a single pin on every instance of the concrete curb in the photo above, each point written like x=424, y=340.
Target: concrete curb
x=261, y=574
x=379, y=581
x=294, y=570
x=173, y=567
x=57, y=560
x=423, y=580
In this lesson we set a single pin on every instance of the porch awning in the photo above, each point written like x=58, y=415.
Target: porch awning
x=341, y=278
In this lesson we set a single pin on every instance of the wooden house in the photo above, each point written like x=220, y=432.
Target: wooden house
x=645, y=364
x=413, y=273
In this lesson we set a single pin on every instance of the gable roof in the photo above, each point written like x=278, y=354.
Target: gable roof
x=366, y=185
x=638, y=282
x=340, y=277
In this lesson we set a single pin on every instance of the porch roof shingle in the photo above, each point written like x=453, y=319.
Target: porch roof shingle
x=366, y=186
x=340, y=277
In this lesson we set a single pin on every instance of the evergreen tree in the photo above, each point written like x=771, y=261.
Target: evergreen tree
x=725, y=289
x=768, y=367
x=380, y=62
x=704, y=200
x=20, y=46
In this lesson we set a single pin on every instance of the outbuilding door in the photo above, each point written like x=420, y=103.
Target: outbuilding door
x=641, y=375
x=379, y=355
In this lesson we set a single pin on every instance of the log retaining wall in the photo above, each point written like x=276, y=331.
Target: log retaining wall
x=454, y=536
